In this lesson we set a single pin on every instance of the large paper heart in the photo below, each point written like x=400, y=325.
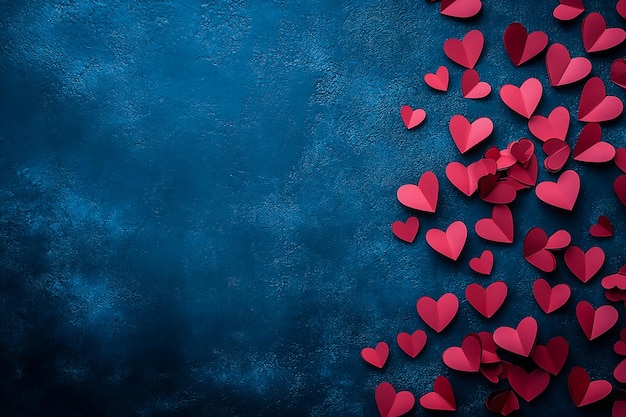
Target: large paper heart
x=449, y=243
x=520, y=340
x=596, y=36
x=522, y=46
x=438, y=314
x=439, y=80
x=412, y=118
x=602, y=228
x=584, y=265
x=535, y=251
x=465, y=52
x=465, y=179
x=502, y=402
x=376, y=356
x=557, y=153
x=555, y=126
x=563, y=193
x=498, y=228
x=589, y=146
x=583, y=390
x=442, y=398
x=595, y=323
x=391, y=404
x=595, y=105
x=528, y=385
x=562, y=69
x=618, y=72
x=463, y=9
x=568, y=9
x=412, y=344
x=422, y=196
x=472, y=87
x=466, y=135
x=465, y=358
x=406, y=231
x=487, y=301
x=522, y=100
x=482, y=264
x=548, y=298
x=552, y=356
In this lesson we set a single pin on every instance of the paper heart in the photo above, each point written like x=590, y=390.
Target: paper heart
x=602, y=228
x=584, y=265
x=525, y=175
x=619, y=186
x=562, y=68
x=596, y=36
x=465, y=179
x=466, y=135
x=502, y=158
x=498, y=228
x=621, y=10
x=406, y=231
x=559, y=240
x=522, y=46
x=555, y=126
x=619, y=406
x=522, y=100
x=595, y=323
x=589, y=146
x=620, y=372
x=465, y=52
x=487, y=301
x=617, y=281
x=535, y=251
x=412, y=118
x=548, y=298
x=472, y=87
x=496, y=192
x=522, y=150
x=618, y=72
x=491, y=372
x=620, y=346
x=557, y=153
x=552, y=356
x=439, y=80
x=465, y=358
x=528, y=385
x=489, y=348
x=422, y=196
x=483, y=264
x=462, y=9
x=391, y=404
x=502, y=402
x=520, y=340
x=620, y=159
x=438, y=314
x=449, y=243
x=595, y=105
x=583, y=390
x=568, y=9
x=563, y=193
x=376, y=356
x=412, y=344
x=442, y=398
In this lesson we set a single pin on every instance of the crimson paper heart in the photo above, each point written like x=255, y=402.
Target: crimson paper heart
x=618, y=72
x=412, y=344
x=466, y=135
x=472, y=87
x=438, y=314
x=584, y=265
x=596, y=36
x=552, y=356
x=412, y=118
x=520, y=340
x=406, y=231
x=562, y=193
x=465, y=358
x=595, y=105
x=583, y=390
x=522, y=46
x=422, y=196
x=564, y=70
x=449, y=243
x=524, y=99
x=528, y=385
x=465, y=52
x=568, y=9
x=391, y=404
x=555, y=126
x=439, y=80
x=483, y=264
x=498, y=228
x=487, y=301
x=548, y=298
x=595, y=322
x=589, y=146
x=602, y=228
x=376, y=356
x=535, y=251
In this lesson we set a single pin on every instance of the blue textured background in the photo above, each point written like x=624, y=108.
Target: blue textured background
x=196, y=200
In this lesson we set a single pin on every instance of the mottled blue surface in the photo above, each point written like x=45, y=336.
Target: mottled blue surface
x=196, y=199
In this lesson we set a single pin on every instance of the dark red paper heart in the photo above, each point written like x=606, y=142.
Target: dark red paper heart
x=562, y=68
x=391, y=404
x=472, y=87
x=568, y=9
x=528, y=385
x=406, y=231
x=552, y=356
x=595, y=323
x=548, y=298
x=442, y=398
x=602, y=228
x=502, y=402
x=595, y=105
x=412, y=344
x=597, y=37
x=522, y=46
x=483, y=264
x=466, y=51
x=618, y=72
x=465, y=358
x=487, y=301
x=557, y=153
x=590, y=147
x=535, y=251
x=583, y=390
x=584, y=265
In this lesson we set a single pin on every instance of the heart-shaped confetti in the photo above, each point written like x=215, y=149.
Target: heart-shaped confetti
x=595, y=105
x=552, y=356
x=502, y=402
x=583, y=390
x=597, y=37
x=465, y=179
x=462, y=9
x=524, y=99
x=466, y=135
x=465, y=52
x=391, y=404
x=412, y=118
x=555, y=126
x=520, y=340
x=557, y=153
x=412, y=344
x=482, y=264
x=562, y=68
x=595, y=323
x=618, y=72
x=522, y=46
x=422, y=196
x=465, y=358
x=602, y=228
x=439, y=80
x=568, y=9
x=528, y=385
x=438, y=314
x=472, y=87
x=497, y=228
x=449, y=243
x=487, y=301
x=376, y=356
x=563, y=193
x=535, y=251
x=442, y=398
x=619, y=186
x=584, y=265
x=406, y=231
x=548, y=298
x=589, y=146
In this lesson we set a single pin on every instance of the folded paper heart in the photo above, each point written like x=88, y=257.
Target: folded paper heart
x=497, y=228
x=620, y=372
x=466, y=135
x=548, y=298
x=584, y=265
x=406, y=231
x=462, y=9
x=487, y=301
x=465, y=179
x=618, y=72
x=472, y=87
x=439, y=80
x=422, y=196
x=595, y=105
x=602, y=228
x=568, y=9
x=620, y=346
x=528, y=385
x=522, y=46
x=491, y=372
x=595, y=323
x=502, y=158
x=483, y=264
x=526, y=175
x=619, y=186
x=559, y=240
x=412, y=118
x=520, y=340
x=491, y=190
x=563, y=193
x=589, y=146
x=392, y=404
x=412, y=344
x=619, y=406
x=555, y=126
x=438, y=314
x=552, y=356
x=621, y=10
x=535, y=251
x=442, y=398
x=620, y=159
x=465, y=52
x=597, y=37
x=502, y=402
x=583, y=390
x=524, y=99
x=522, y=150
x=557, y=153
x=449, y=243
x=562, y=68
x=376, y=356
x=465, y=358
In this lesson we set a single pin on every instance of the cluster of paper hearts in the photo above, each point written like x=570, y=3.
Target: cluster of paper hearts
x=498, y=177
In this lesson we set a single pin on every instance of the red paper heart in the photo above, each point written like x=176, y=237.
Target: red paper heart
x=498, y=228
x=557, y=153
x=491, y=372
x=562, y=69
x=522, y=46
x=619, y=186
x=472, y=87
x=465, y=52
x=602, y=228
x=620, y=159
x=412, y=118
x=496, y=192
x=619, y=406
x=535, y=250
x=555, y=126
x=522, y=150
x=376, y=356
x=412, y=344
x=502, y=402
x=522, y=100
x=406, y=231
x=568, y=9
x=442, y=398
x=449, y=243
x=620, y=346
x=621, y=10
x=422, y=196
x=552, y=356
x=465, y=179
x=595, y=323
x=589, y=146
x=438, y=314
x=550, y=299
x=595, y=105
x=462, y=9
x=465, y=358
x=483, y=264
x=502, y=158
x=466, y=135
x=583, y=390
x=561, y=194
x=391, y=404
x=559, y=240
x=520, y=340
x=620, y=372
x=525, y=175
x=615, y=281
x=487, y=301
x=439, y=80
x=584, y=265
x=618, y=72
x=596, y=36
x=528, y=385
